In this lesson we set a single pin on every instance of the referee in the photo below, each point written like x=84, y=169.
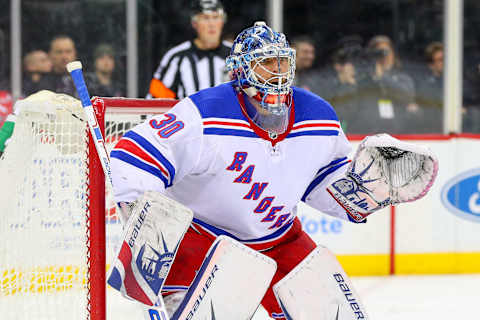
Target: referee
x=195, y=64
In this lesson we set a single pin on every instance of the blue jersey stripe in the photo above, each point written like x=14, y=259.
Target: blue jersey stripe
x=218, y=232
x=153, y=151
x=250, y=134
x=230, y=132
x=320, y=178
x=313, y=133
x=331, y=164
x=125, y=157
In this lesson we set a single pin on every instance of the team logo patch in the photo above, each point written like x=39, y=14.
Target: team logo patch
x=461, y=195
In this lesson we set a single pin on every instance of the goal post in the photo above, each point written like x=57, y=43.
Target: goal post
x=58, y=222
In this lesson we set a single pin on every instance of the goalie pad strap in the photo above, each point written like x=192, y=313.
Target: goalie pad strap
x=357, y=203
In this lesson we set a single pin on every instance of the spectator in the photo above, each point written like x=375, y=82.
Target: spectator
x=36, y=64
x=339, y=84
x=429, y=90
x=342, y=90
x=387, y=93
x=305, y=56
x=101, y=82
x=195, y=64
x=62, y=51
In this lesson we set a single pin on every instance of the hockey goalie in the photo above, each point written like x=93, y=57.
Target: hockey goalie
x=240, y=156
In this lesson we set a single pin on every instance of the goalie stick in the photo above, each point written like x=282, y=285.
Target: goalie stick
x=75, y=70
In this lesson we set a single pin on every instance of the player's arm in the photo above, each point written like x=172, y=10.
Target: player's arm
x=384, y=171
x=147, y=160
x=157, y=153
x=316, y=194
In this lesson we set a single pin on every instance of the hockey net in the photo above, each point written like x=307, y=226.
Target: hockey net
x=54, y=207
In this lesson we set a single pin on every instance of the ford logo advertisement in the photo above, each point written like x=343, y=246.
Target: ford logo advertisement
x=461, y=195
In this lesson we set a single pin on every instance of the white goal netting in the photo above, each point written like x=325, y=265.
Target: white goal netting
x=45, y=209
x=44, y=202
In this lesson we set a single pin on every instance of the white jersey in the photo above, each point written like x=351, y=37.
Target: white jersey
x=208, y=155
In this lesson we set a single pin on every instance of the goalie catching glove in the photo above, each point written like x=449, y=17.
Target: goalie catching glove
x=384, y=171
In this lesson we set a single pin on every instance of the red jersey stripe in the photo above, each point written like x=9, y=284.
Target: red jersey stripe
x=131, y=147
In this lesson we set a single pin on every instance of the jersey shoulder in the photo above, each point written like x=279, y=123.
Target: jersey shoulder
x=218, y=102
x=309, y=106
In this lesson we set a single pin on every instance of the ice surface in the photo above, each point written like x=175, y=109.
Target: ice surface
x=438, y=297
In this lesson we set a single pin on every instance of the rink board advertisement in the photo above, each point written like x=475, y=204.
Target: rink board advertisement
x=437, y=234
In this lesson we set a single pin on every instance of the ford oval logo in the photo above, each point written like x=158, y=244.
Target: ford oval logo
x=461, y=195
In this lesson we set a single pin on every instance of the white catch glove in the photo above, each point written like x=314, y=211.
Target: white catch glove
x=384, y=171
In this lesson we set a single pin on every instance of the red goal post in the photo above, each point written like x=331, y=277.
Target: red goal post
x=118, y=116
x=58, y=220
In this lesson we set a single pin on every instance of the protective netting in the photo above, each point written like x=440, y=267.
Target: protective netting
x=44, y=205
x=44, y=202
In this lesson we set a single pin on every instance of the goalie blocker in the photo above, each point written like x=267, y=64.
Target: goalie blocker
x=384, y=171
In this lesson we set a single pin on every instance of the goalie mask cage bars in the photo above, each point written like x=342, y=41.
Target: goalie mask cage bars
x=54, y=201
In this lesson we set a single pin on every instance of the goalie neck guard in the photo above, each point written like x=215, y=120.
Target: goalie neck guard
x=263, y=66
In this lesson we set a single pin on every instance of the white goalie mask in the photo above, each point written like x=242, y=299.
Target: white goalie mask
x=263, y=64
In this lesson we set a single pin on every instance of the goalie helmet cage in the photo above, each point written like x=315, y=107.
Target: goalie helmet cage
x=53, y=201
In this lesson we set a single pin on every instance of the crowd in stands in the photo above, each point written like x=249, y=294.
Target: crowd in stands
x=366, y=80
x=47, y=71
x=373, y=90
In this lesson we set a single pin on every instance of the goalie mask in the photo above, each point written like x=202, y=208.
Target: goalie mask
x=263, y=66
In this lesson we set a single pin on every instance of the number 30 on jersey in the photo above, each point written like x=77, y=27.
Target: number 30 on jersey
x=167, y=126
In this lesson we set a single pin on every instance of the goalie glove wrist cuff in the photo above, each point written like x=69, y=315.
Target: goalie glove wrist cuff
x=355, y=199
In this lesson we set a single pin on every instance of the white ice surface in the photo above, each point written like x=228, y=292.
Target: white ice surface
x=439, y=297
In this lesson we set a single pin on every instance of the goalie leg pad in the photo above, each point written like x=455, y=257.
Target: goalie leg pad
x=318, y=288
x=152, y=235
x=230, y=284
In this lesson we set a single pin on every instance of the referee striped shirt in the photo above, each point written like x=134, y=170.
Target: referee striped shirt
x=185, y=69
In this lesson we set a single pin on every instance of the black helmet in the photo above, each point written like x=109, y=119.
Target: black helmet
x=205, y=6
